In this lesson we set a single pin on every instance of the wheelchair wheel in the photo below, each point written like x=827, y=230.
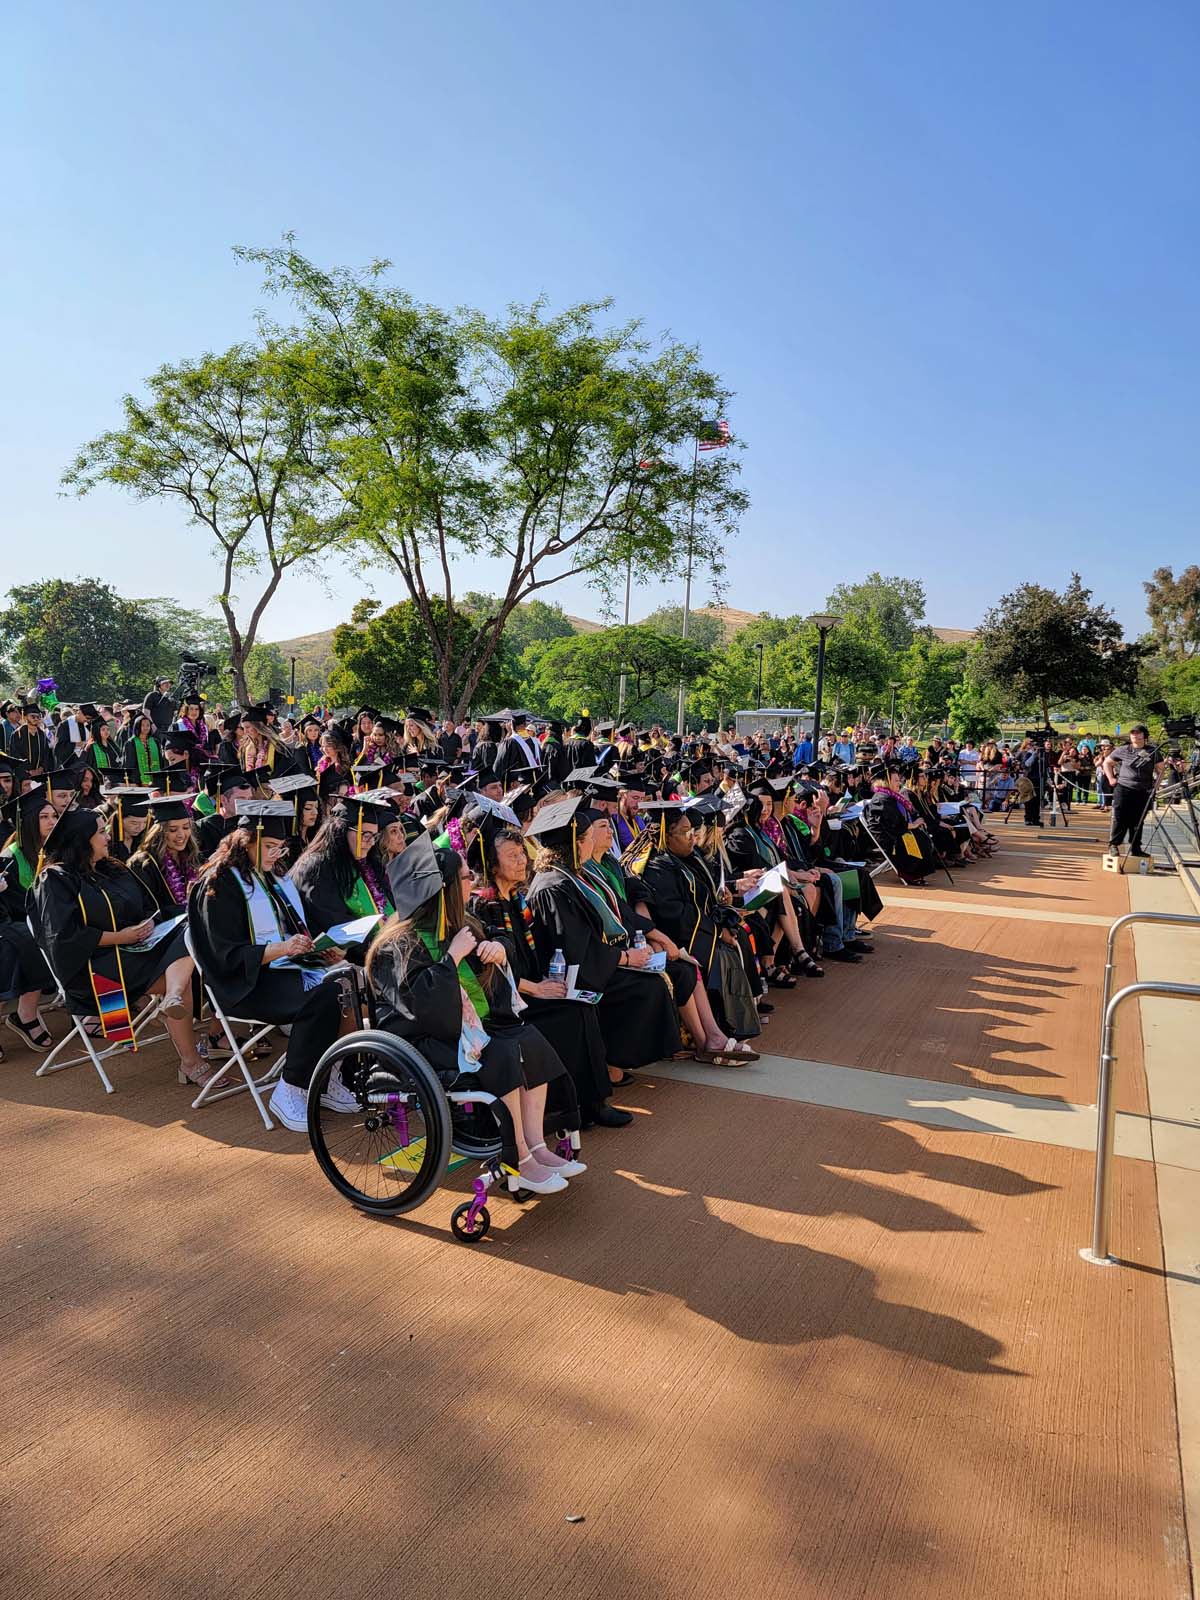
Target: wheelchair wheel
x=391, y=1153
x=458, y=1223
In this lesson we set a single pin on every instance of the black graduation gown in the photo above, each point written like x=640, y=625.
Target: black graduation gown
x=324, y=904
x=209, y=831
x=827, y=849
x=132, y=770
x=22, y=966
x=32, y=747
x=571, y=1028
x=637, y=1013
x=556, y=762
x=150, y=875
x=424, y=1006
x=888, y=822
x=580, y=753
x=71, y=942
x=683, y=904
x=512, y=756
x=483, y=757
x=232, y=965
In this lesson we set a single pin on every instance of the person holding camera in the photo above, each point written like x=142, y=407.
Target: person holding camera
x=1133, y=770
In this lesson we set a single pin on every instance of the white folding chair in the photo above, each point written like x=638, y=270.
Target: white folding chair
x=147, y=1015
x=215, y=1089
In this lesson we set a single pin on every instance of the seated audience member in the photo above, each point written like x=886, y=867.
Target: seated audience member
x=443, y=986
x=89, y=911
x=901, y=833
x=636, y=1010
x=573, y=1029
x=243, y=921
x=335, y=877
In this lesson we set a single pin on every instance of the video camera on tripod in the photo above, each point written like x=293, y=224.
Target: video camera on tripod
x=1175, y=727
x=191, y=673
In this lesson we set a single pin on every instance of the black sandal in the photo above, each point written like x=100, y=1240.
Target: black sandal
x=35, y=1034
x=780, y=978
x=803, y=963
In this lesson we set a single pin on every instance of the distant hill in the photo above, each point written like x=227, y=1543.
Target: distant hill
x=953, y=635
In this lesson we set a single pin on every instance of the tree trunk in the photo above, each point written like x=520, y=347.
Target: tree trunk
x=237, y=663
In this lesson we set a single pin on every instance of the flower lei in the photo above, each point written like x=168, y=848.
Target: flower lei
x=178, y=877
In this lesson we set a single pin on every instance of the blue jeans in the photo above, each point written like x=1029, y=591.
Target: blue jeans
x=846, y=926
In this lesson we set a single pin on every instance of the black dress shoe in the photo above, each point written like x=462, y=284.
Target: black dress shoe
x=607, y=1116
x=623, y=1081
x=860, y=947
x=844, y=954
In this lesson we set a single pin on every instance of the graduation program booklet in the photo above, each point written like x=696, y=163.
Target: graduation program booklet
x=587, y=995
x=771, y=883
x=346, y=933
x=161, y=931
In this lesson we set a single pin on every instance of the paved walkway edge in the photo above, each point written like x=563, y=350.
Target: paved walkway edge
x=1170, y=1029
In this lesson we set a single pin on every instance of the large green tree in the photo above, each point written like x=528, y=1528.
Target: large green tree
x=893, y=608
x=586, y=671
x=557, y=445
x=385, y=658
x=1173, y=605
x=82, y=634
x=704, y=630
x=927, y=672
x=232, y=437
x=1038, y=646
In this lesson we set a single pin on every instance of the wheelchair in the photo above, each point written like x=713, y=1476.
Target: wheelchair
x=410, y=1129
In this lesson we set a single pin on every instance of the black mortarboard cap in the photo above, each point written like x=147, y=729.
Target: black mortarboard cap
x=167, y=808
x=556, y=818
x=273, y=818
x=414, y=877
x=172, y=780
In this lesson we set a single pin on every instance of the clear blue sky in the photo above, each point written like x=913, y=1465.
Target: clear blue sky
x=946, y=254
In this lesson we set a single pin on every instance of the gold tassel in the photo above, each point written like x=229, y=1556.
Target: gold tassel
x=574, y=846
x=441, y=922
x=662, y=830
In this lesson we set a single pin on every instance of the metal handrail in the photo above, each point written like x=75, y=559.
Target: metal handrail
x=1106, y=1112
x=1176, y=917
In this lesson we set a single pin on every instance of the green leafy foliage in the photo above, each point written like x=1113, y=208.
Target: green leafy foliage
x=231, y=436
x=891, y=609
x=927, y=672
x=388, y=660
x=84, y=635
x=1037, y=646
x=586, y=671
x=521, y=438
x=1173, y=605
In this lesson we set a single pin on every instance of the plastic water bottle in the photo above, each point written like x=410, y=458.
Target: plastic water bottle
x=639, y=940
x=558, y=967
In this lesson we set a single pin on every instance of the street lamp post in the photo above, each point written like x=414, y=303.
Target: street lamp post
x=759, y=648
x=893, y=686
x=824, y=624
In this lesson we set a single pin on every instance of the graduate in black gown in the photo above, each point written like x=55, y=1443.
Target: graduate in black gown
x=23, y=969
x=234, y=787
x=687, y=907
x=894, y=823
x=335, y=877
x=88, y=911
x=501, y=866
x=443, y=987
x=243, y=922
x=28, y=742
x=167, y=861
x=636, y=1010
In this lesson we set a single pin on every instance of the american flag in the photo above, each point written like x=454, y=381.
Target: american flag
x=713, y=435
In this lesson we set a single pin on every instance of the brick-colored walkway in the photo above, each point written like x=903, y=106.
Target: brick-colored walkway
x=765, y=1349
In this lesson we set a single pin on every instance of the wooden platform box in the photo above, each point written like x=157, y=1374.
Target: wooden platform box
x=1141, y=865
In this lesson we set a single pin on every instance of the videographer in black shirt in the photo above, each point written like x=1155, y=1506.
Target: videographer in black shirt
x=1133, y=769
x=159, y=706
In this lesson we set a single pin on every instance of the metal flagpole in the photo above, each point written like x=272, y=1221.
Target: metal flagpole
x=687, y=590
x=621, y=690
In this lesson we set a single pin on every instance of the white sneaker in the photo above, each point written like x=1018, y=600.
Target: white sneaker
x=337, y=1097
x=290, y=1105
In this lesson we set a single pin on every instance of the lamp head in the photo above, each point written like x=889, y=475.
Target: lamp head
x=824, y=622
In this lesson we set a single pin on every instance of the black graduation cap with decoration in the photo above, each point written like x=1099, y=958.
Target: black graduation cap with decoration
x=167, y=808
x=414, y=879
